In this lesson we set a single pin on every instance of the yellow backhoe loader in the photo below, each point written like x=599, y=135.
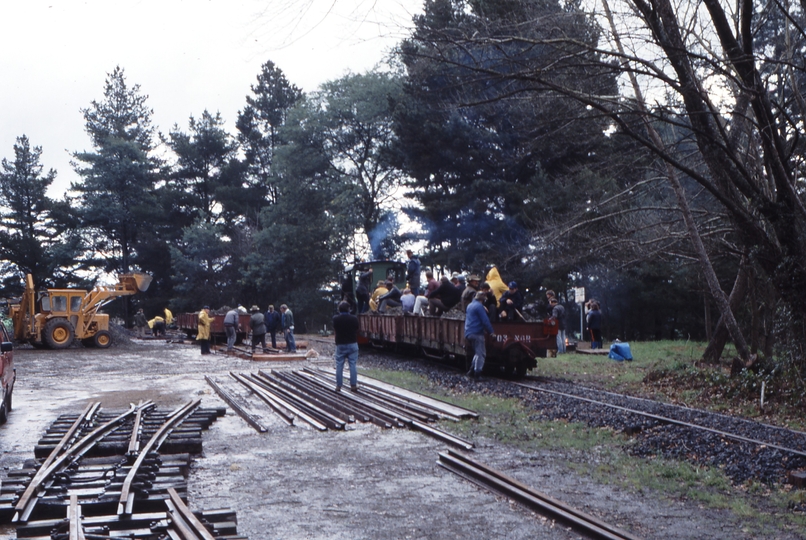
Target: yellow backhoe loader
x=53, y=318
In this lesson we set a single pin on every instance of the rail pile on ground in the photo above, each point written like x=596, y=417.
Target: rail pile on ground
x=309, y=396
x=114, y=475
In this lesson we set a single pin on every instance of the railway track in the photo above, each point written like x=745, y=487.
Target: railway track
x=743, y=449
x=737, y=429
x=501, y=484
x=101, y=475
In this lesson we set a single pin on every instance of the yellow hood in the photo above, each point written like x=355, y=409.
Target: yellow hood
x=496, y=283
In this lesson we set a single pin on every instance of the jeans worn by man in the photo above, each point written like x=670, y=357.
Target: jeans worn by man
x=231, y=327
x=231, y=336
x=290, y=342
x=560, y=341
x=476, y=342
x=347, y=352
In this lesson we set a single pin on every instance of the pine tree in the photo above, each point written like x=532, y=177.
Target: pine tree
x=118, y=178
x=35, y=238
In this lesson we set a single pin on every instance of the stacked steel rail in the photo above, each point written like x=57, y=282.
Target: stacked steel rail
x=309, y=396
x=101, y=476
x=541, y=503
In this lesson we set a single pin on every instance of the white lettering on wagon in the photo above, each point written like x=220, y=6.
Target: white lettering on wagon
x=506, y=337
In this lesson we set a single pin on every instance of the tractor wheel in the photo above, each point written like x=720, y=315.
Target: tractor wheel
x=102, y=339
x=8, y=400
x=58, y=333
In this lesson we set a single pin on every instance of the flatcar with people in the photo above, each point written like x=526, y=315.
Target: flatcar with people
x=512, y=349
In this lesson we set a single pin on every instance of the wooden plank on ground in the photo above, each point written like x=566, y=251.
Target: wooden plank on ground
x=283, y=357
x=595, y=352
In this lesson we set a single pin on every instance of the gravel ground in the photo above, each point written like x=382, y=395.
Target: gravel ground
x=293, y=482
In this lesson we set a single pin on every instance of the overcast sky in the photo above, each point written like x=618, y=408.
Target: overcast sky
x=187, y=56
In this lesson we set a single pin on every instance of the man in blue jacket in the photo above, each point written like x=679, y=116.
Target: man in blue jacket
x=476, y=324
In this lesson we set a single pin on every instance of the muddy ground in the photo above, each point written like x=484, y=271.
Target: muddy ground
x=293, y=482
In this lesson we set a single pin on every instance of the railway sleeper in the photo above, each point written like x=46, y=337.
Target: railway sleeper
x=221, y=523
x=192, y=445
x=182, y=431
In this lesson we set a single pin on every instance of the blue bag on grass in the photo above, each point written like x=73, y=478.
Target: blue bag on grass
x=620, y=352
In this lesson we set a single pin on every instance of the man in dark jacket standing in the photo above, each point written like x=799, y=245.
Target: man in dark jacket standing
x=413, y=272
x=558, y=313
x=345, y=325
x=287, y=321
x=362, y=291
x=140, y=322
x=272, y=325
x=258, y=325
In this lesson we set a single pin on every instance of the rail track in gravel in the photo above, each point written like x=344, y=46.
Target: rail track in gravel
x=738, y=429
x=743, y=449
x=99, y=475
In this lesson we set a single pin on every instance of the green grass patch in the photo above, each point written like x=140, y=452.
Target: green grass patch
x=648, y=357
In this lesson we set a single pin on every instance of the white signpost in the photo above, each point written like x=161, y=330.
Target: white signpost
x=579, y=298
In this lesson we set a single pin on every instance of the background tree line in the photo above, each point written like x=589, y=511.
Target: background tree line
x=650, y=154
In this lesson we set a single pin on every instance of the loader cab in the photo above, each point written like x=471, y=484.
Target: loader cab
x=64, y=303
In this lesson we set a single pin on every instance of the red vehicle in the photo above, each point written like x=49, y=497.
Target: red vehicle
x=8, y=373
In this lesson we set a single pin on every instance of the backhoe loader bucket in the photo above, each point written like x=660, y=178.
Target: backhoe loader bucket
x=140, y=281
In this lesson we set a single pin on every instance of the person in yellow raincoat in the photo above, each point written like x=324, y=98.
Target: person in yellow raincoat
x=203, y=333
x=157, y=325
x=380, y=290
x=169, y=317
x=497, y=284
